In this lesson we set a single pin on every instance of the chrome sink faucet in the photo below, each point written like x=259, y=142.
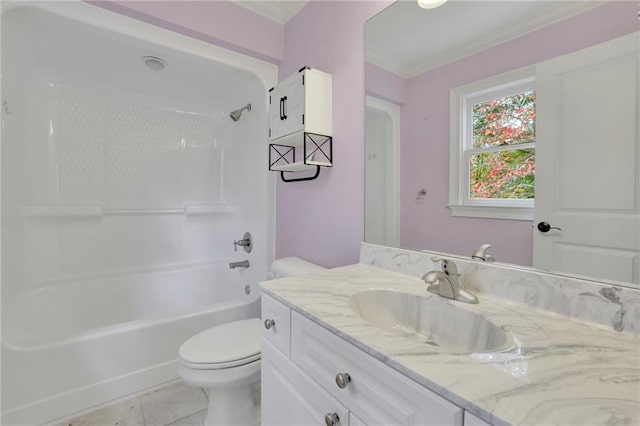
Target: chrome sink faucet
x=481, y=254
x=446, y=282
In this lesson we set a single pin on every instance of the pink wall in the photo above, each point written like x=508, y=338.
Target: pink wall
x=323, y=220
x=385, y=85
x=217, y=22
x=425, y=134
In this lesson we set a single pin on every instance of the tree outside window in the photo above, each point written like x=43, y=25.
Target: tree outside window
x=502, y=158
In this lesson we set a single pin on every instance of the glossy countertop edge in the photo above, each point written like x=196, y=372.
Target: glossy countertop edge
x=461, y=401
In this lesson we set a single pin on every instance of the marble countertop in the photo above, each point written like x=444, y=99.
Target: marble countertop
x=559, y=371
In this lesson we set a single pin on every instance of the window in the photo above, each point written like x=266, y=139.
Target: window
x=492, y=152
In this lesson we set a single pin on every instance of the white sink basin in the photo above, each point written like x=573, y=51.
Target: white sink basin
x=433, y=321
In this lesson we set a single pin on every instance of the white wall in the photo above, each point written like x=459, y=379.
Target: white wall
x=102, y=156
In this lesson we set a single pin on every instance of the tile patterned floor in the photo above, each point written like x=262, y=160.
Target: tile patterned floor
x=175, y=404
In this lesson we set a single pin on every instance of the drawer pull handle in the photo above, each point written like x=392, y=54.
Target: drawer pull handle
x=331, y=419
x=342, y=380
x=268, y=323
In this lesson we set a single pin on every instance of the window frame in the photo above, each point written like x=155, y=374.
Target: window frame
x=461, y=148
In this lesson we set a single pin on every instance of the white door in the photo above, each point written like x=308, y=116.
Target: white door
x=376, y=123
x=587, y=160
x=289, y=397
x=382, y=180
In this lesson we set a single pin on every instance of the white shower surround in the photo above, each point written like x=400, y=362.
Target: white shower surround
x=120, y=203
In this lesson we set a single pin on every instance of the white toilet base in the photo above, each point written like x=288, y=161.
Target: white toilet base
x=230, y=406
x=230, y=401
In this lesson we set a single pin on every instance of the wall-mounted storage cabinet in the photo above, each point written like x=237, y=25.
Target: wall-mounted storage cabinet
x=300, y=123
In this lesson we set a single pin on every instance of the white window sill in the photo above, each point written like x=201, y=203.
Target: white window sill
x=492, y=212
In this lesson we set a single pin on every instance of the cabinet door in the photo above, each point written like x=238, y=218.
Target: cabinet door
x=289, y=397
x=276, y=122
x=279, y=334
x=293, y=90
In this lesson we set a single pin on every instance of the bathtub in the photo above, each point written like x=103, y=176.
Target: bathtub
x=75, y=345
x=123, y=189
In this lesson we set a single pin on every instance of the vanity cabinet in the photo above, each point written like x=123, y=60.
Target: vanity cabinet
x=326, y=375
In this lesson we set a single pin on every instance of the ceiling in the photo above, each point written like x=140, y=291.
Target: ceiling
x=408, y=40
x=279, y=11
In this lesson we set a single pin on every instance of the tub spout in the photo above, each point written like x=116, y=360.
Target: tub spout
x=243, y=264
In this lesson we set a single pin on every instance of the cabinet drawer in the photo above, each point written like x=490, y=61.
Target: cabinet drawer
x=290, y=397
x=376, y=394
x=471, y=420
x=355, y=421
x=279, y=333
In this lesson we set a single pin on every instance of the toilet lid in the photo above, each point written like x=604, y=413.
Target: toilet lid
x=225, y=344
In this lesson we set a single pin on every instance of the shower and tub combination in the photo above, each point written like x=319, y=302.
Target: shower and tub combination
x=129, y=168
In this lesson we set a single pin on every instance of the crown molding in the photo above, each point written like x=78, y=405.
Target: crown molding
x=379, y=60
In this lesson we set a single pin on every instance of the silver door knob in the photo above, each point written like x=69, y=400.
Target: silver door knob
x=331, y=419
x=268, y=323
x=342, y=380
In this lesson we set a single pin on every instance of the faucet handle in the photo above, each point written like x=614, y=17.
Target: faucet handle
x=481, y=254
x=447, y=265
x=246, y=242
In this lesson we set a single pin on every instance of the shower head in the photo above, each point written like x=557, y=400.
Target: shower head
x=235, y=115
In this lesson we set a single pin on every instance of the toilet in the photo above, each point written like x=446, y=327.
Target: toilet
x=226, y=359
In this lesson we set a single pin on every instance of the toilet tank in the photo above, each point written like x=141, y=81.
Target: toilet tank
x=292, y=267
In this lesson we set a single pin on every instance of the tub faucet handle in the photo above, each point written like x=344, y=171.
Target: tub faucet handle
x=246, y=242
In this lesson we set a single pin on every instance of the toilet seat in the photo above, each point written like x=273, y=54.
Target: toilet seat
x=225, y=346
x=220, y=365
x=226, y=361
